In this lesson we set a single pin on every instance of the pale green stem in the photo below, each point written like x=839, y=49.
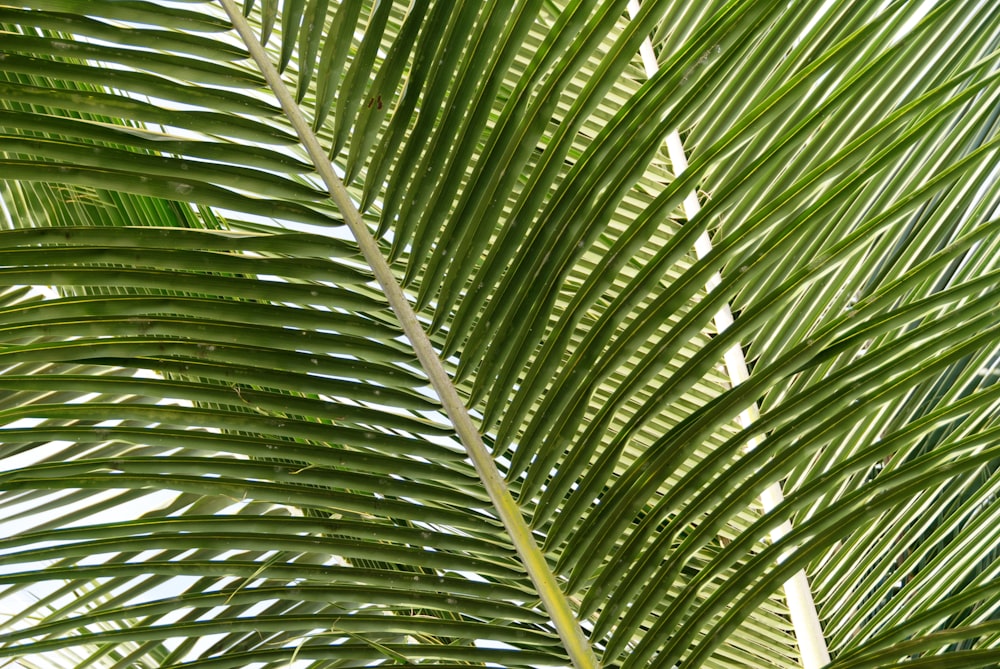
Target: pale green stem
x=801, y=606
x=552, y=596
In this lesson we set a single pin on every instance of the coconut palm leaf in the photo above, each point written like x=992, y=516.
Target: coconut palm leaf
x=538, y=333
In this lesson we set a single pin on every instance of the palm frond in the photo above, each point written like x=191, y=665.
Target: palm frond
x=224, y=446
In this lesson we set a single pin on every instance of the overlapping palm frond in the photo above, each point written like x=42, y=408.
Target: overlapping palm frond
x=221, y=446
